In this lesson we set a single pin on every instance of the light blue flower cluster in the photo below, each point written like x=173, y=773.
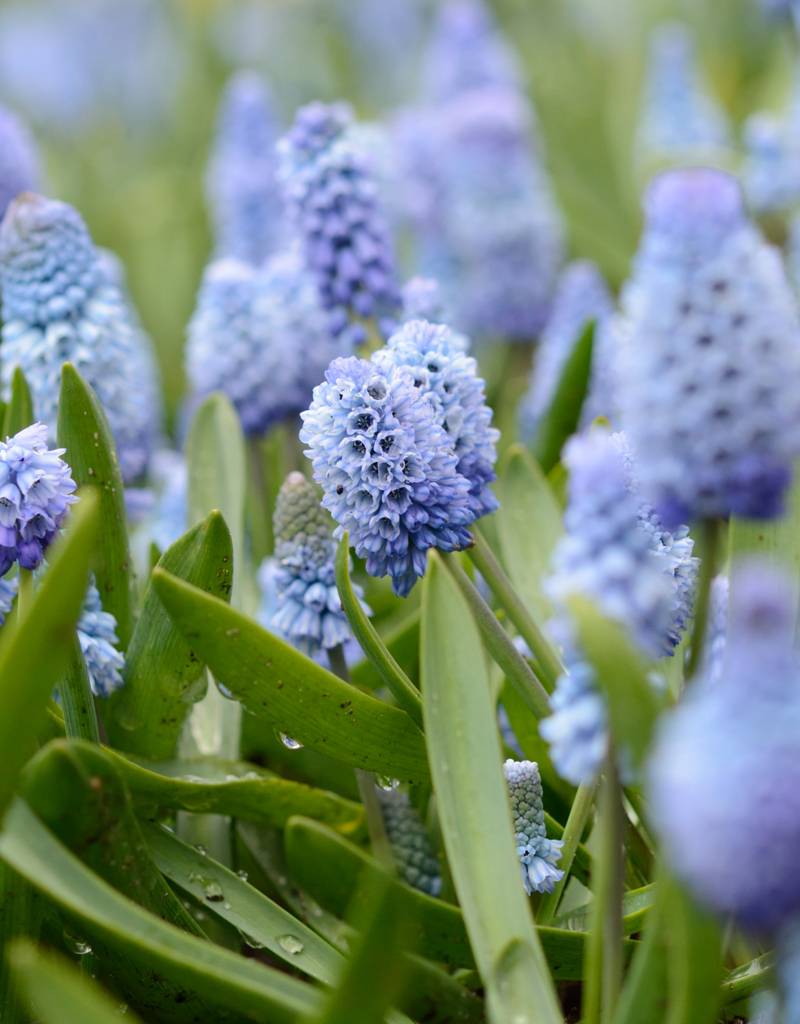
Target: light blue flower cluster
x=36, y=489
x=411, y=845
x=581, y=296
x=19, y=161
x=97, y=636
x=617, y=553
x=332, y=202
x=442, y=369
x=680, y=122
x=387, y=468
x=243, y=195
x=261, y=336
x=466, y=51
x=308, y=610
x=168, y=518
x=422, y=300
x=771, y=167
x=731, y=824
x=60, y=305
x=710, y=371
x=538, y=855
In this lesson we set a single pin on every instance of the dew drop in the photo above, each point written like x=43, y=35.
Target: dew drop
x=201, y=850
x=290, y=944
x=242, y=874
x=290, y=743
x=76, y=945
x=213, y=892
x=387, y=784
x=252, y=941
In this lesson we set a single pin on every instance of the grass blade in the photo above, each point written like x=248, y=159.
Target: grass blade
x=18, y=413
x=564, y=413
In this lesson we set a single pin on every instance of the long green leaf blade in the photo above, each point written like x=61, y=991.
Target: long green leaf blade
x=19, y=411
x=474, y=810
x=299, y=697
x=563, y=415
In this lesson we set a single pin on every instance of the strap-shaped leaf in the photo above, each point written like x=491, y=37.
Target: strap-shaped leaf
x=161, y=669
x=35, y=651
x=83, y=430
x=564, y=413
x=19, y=411
x=474, y=810
x=233, y=984
x=299, y=697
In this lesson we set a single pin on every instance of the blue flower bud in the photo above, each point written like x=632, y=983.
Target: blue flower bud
x=710, y=372
x=724, y=776
x=19, y=161
x=411, y=845
x=60, y=305
x=242, y=192
x=387, y=468
x=537, y=854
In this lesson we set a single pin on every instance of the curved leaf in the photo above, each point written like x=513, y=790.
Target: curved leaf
x=19, y=411
x=564, y=412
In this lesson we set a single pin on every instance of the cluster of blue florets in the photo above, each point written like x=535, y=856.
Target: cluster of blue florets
x=538, y=855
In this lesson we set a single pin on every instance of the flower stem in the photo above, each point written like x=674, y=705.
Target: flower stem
x=604, y=948
x=547, y=661
x=80, y=717
x=24, y=592
x=500, y=645
x=258, y=506
x=711, y=530
x=573, y=830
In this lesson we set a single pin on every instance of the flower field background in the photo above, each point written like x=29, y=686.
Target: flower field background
x=399, y=528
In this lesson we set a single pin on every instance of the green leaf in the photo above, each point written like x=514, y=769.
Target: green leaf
x=18, y=916
x=622, y=675
x=55, y=991
x=528, y=527
x=564, y=413
x=262, y=923
x=19, y=411
x=83, y=430
x=384, y=927
x=208, y=786
x=230, y=982
x=299, y=697
x=474, y=810
x=76, y=790
x=694, y=965
x=404, y=691
x=35, y=651
x=162, y=672
x=401, y=639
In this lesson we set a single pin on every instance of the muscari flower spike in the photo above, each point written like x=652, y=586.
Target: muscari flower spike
x=422, y=300
x=442, y=369
x=242, y=193
x=582, y=295
x=261, y=336
x=538, y=855
x=680, y=120
x=387, y=468
x=60, y=305
x=710, y=372
x=730, y=825
x=19, y=161
x=617, y=553
x=411, y=845
x=771, y=166
x=332, y=203
x=36, y=489
x=466, y=51
x=308, y=612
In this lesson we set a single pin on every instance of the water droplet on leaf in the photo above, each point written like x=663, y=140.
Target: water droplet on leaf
x=290, y=944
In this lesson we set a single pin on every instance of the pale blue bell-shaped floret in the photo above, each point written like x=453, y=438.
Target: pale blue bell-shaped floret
x=412, y=851
x=537, y=854
x=60, y=305
x=19, y=160
x=730, y=825
x=710, y=369
x=241, y=187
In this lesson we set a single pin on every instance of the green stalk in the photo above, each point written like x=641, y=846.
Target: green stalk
x=573, y=830
x=547, y=661
x=258, y=507
x=80, y=717
x=24, y=591
x=604, y=960
x=500, y=645
x=366, y=781
x=711, y=532
x=17, y=917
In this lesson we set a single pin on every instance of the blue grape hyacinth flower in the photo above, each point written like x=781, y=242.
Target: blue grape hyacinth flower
x=710, y=371
x=411, y=845
x=241, y=187
x=538, y=855
x=60, y=304
x=618, y=554
x=36, y=490
x=333, y=205
x=442, y=369
x=730, y=823
x=582, y=295
x=19, y=160
x=680, y=121
x=308, y=611
x=387, y=468
x=423, y=300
